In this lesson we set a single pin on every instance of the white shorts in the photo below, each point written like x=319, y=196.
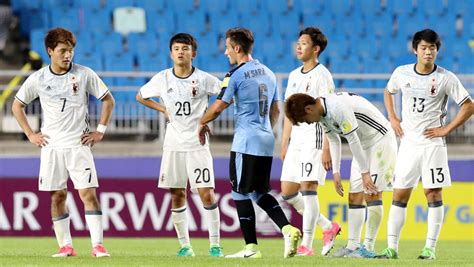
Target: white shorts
x=57, y=164
x=179, y=166
x=431, y=163
x=382, y=158
x=303, y=164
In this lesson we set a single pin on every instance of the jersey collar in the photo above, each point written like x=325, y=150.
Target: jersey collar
x=305, y=72
x=183, y=78
x=54, y=73
x=434, y=69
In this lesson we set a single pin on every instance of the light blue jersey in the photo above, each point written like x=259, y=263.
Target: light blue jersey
x=253, y=87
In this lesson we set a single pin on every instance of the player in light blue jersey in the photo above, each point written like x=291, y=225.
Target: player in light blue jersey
x=251, y=86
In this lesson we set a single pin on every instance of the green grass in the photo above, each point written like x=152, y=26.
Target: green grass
x=161, y=252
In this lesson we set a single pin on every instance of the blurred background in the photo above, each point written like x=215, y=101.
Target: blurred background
x=127, y=41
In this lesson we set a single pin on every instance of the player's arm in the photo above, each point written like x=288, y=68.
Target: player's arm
x=285, y=137
x=389, y=102
x=150, y=103
x=18, y=110
x=108, y=103
x=466, y=111
x=211, y=114
x=335, y=142
x=274, y=112
x=326, y=159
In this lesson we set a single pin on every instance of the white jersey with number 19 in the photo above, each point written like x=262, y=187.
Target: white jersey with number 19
x=425, y=100
x=64, y=100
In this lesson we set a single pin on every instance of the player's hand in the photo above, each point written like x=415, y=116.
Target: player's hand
x=435, y=132
x=38, y=139
x=326, y=159
x=203, y=129
x=338, y=184
x=91, y=138
x=167, y=116
x=397, y=128
x=369, y=186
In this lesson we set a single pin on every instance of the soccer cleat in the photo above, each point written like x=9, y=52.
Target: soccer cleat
x=99, y=251
x=304, y=251
x=186, y=251
x=388, y=253
x=427, y=254
x=329, y=237
x=292, y=236
x=216, y=251
x=361, y=252
x=65, y=251
x=249, y=251
x=342, y=252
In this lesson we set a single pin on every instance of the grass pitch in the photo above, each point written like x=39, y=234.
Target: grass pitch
x=34, y=251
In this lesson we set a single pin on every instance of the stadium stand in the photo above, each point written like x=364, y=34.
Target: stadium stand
x=365, y=36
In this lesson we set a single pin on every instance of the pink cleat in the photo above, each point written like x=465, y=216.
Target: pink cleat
x=304, y=251
x=99, y=251
x=66, y=251
x=329, y=237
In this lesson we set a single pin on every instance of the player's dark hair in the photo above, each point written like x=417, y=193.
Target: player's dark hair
x=184, y=38
x=59, y=35
x=317, y=36
x=242, y=37
x=294, y=107
x=427, y=35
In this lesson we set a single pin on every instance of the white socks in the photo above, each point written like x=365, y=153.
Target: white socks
x=374, y=219
x=435, y=221
x=94, y=222
x=213, y=224
x=356, y=217
x=62, y=231
x=296, y=201
x=396, y=220
x=310, y=216
x=180, y=221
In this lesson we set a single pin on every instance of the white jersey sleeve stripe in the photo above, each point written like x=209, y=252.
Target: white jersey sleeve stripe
x=23, y=102
x=372, y=123
x=104, y=94
x=464, y=100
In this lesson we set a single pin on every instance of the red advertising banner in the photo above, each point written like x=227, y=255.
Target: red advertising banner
x=130, y=207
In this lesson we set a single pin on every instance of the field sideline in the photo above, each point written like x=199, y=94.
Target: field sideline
x=160, y=252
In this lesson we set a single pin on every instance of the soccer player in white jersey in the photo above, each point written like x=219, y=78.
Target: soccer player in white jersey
x=65, y=138
x=374, y=147
x=184, y=91
x=303, y=156
x=425, y=89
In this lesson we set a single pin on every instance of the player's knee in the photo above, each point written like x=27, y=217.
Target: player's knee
x=433, y=195
x=178, y=194
x=207, y=197
x=58, y=197
x=356, y=198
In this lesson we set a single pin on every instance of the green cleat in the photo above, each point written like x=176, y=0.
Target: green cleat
x=216, y=251
x=388, y=253
x=186, y=251
x=427, y=254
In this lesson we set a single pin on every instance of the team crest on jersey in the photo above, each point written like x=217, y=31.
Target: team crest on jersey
x=75, y=88
x=433, y=87
x=194, y=88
